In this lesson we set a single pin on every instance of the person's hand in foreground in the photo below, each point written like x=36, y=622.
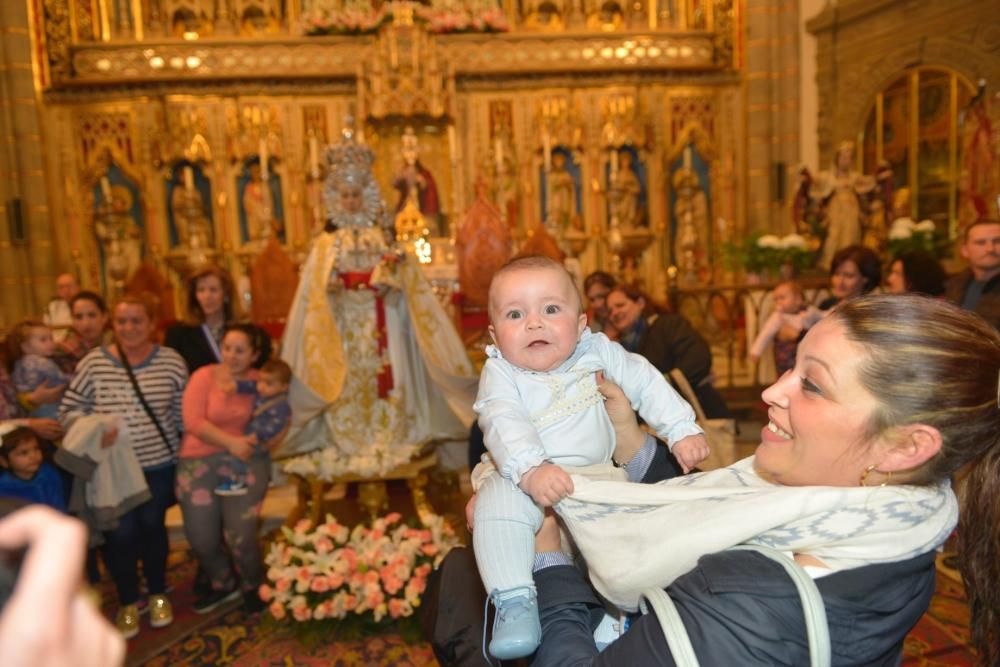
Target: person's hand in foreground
x=48, y=620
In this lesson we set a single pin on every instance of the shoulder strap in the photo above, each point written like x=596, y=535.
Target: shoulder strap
x=142, y=399
x=817, y=629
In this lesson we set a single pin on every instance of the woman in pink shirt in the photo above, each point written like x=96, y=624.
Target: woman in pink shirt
x=214, y=419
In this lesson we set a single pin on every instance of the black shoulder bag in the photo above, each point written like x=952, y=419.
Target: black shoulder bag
x=142, y=399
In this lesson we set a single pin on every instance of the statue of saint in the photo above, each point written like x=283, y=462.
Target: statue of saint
x=188, y=209
x=414, y=180
x=844, y=193
x=258, y=205
x=561, y=213
x=691, y=218
x=380, y=369
x=623, y=194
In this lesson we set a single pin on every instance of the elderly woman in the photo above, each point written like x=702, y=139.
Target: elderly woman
x=214, y=419
x=855, y=270
x=890, y=397
x=668, y=341
x=142, y=383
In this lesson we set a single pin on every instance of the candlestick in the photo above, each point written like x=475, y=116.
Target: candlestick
x=313, y=156
x=262, y=151
x=188, y=179
x=106, y=189
x=614, y=162
x=452, y=143
x=547, y=150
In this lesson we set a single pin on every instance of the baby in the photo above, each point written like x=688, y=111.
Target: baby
x=539, y=408
x=31, y=347
x=786, y=326
x=25, y=474
x=271, y=414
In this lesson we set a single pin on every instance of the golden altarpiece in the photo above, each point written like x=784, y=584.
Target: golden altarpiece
x=185, y=131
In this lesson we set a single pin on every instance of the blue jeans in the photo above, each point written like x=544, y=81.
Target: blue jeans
x=142, y=535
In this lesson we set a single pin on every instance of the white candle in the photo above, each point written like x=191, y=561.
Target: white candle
x=547, y=150
x=452, y=143
x=687, y=157
x=313, y=156
x=106, y=189
x=262, y=151
x=188, y=179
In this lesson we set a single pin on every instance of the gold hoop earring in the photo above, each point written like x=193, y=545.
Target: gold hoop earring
x=868, y=471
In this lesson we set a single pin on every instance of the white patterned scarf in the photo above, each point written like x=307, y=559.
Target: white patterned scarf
x=635, y=536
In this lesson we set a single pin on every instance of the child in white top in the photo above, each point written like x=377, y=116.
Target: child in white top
x=786, y=325
x=539, y=408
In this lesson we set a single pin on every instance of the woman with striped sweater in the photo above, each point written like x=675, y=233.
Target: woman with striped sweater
x=102, y=386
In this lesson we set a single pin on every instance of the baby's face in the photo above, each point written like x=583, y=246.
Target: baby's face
x=39, y=342
x=787, y=300
x=535, y=318
x=269, y=385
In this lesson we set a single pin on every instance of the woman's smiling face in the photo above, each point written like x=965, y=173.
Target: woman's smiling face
x=818, y=414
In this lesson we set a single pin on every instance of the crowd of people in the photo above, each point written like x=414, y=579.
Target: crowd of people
x=884, y=400
x=191, y=421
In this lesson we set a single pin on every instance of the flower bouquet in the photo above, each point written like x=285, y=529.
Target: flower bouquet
x=907, y=236
x=331, y=579
x=767, y=253
x=357, y=18
x=462, y=19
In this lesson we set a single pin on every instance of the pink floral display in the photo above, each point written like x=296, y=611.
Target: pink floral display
x=331, y=572
x=352, y=20
x=463, y=19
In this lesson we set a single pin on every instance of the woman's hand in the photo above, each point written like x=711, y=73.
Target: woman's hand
x=48, y=621
x=630, y=438
x=241, y=446
x=46, y=429
x=46, y=393
x=109, y=436
x=470, y=512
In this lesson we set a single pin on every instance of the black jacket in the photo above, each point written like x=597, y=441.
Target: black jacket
x=989, y=303
x=190, y=342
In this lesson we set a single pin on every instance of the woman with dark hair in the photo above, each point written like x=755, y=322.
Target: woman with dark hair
x=596, y=288
x=855, y=270
x=224, y=528
x=668, y=341
x=139, y=383
x=916, y=271
x=890, y=397
x=89, y=329
x=211, y=305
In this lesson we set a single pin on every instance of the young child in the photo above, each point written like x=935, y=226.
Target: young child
x=540, y=408
x=25, y=474
x=786, y=326
x=271, y=415
x=31, y=347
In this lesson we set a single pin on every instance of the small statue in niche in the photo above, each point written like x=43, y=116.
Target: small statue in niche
x=691, y=216
x=188, y=208
x=414, y=180
x=258, y=205
x=624, y=191
x=843, y=194
x=561, y=213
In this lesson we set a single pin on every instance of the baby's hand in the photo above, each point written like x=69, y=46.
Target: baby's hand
x=252, y=439
x=691, y=451
x=547, y=484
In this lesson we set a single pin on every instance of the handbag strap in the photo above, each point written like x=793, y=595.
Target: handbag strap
x=139, y=395
x=817, y=628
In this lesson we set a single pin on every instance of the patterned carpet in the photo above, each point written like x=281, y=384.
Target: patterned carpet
x=230, y=637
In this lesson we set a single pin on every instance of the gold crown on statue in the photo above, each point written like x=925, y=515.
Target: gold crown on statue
x=349, y=161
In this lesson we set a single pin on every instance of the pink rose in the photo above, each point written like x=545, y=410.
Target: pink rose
x=277, y=610
x=429, y=549
x=319, y=585
x=335, y=580
x=265, y=592
x=302, y=526
x=324, y=545
x=301, y=614
x=392, y=518
x=283, y=585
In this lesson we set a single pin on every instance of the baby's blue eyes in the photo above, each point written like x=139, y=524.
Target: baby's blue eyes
x=551, y=309
x=514, y=315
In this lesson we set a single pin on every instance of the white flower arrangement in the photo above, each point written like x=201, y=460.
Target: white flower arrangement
x=906, y=235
